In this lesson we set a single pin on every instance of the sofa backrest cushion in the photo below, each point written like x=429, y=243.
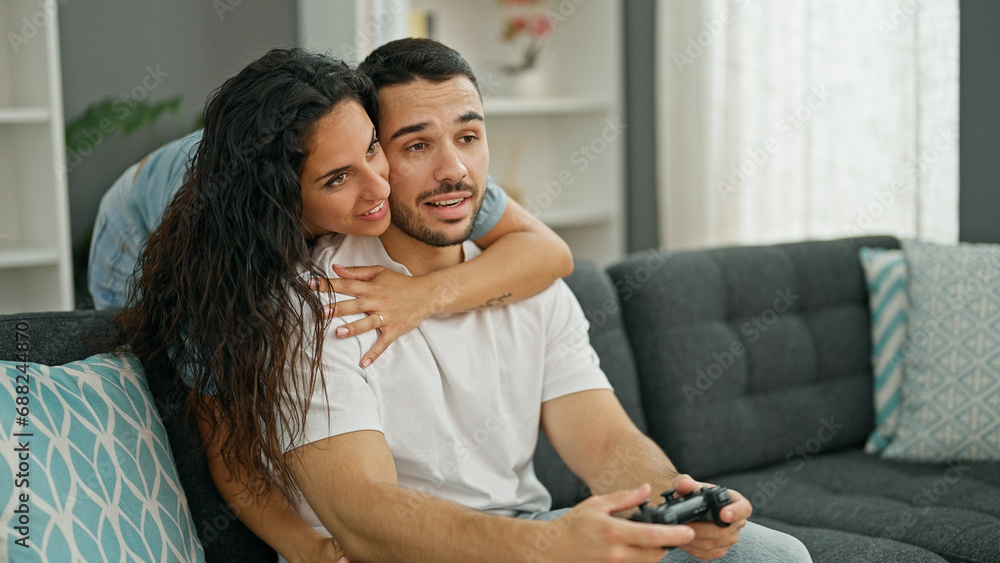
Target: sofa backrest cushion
x=62, y=337
x=57, y=338
x=753, y=355
x=596, y=294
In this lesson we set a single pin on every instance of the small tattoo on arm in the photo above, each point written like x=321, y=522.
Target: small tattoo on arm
x=494, y=301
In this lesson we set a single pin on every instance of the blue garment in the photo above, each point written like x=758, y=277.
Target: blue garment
x=133, y=206
x=130, y=210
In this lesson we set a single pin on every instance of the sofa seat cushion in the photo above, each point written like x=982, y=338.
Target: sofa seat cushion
x=833, y=546
x=950, y=509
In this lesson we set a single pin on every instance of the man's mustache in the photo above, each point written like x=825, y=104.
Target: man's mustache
x=448, y=187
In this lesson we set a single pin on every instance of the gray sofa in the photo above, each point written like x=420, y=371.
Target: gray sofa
x=749, y=366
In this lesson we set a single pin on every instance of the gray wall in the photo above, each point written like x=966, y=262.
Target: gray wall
x=979, y=122
x=641, y=206
x=115, y=48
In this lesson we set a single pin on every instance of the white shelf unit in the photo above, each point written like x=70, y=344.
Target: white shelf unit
x=561, y=153
x=36, y=270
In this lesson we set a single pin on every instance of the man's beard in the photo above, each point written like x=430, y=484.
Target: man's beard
x=409, y=221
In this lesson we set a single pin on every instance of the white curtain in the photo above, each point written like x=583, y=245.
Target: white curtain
x=781, y=120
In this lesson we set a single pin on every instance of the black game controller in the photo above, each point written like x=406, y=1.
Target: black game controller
x=705, y=504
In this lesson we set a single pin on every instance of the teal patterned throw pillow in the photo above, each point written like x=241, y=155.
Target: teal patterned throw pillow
x=951, y=392
x=87, y=473
x=885, y=276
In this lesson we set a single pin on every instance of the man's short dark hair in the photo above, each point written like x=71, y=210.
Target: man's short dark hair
x=404, y=60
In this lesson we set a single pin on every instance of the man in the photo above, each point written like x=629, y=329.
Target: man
x=415, y=457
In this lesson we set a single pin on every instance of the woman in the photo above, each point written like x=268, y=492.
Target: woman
x=288, y=153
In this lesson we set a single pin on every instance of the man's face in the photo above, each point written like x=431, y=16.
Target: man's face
x=434, y=137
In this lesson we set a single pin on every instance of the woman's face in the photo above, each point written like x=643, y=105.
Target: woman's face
x=345, y=176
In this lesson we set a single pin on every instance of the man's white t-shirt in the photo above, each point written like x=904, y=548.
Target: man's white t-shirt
x=459, y=398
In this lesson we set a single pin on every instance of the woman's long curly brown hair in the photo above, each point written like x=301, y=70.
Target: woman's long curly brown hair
x=218, y=292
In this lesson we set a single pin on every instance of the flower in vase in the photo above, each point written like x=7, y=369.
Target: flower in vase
x=525, y=28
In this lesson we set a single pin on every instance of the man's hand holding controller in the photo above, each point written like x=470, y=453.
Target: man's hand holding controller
x=589, y=532
x=712, y=541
